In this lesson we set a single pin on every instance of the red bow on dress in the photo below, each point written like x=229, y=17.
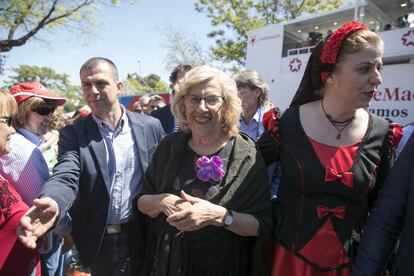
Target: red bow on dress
x=338, y=212
x=347, y=178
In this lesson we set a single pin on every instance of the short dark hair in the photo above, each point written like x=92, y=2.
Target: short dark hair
x=179, y=69
x=93, y=62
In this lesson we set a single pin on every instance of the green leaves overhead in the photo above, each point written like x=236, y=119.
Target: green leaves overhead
x=56, y=82
x=136, y=84
x=235, y=18
x=21, y=20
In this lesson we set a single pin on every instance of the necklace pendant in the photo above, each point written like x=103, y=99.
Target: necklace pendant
x=338, y=136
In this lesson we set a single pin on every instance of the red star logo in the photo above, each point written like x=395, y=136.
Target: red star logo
x=252, y=40
x=408, y=38
x=294, y=65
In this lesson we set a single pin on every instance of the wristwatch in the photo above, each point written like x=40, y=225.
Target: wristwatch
x=228, y=218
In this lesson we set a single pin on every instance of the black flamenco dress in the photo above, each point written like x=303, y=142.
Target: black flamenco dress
x=324, y=196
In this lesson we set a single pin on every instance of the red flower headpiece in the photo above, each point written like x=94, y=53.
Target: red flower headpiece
x=334, y=42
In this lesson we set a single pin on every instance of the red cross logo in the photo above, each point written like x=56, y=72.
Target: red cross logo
x=408, y=38
x=294, y=65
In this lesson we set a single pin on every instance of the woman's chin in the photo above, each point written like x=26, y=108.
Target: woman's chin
x=4, y=150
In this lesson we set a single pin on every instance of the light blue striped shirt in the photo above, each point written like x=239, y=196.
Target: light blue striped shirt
x=124, y=167
x=254, y=128
x=24, y=166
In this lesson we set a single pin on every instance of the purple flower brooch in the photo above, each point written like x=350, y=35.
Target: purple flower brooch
x=210, y=168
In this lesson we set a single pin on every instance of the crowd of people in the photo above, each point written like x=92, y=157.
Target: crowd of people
x=217, y=182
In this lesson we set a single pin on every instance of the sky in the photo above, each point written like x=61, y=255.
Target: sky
x=129, y=34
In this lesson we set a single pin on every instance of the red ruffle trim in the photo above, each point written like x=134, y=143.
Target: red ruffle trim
x=271, y=122
x=394, y=134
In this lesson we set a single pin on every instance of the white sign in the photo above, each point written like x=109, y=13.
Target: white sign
x=395, y=96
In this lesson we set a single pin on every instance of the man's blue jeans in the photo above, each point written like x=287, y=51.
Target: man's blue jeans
x=113, y=257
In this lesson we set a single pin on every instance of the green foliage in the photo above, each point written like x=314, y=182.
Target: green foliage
x=56, y=82
x=134, y=84
x=21, y=20
x=236, y=18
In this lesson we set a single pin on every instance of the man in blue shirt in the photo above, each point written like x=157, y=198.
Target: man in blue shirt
x=101, y=161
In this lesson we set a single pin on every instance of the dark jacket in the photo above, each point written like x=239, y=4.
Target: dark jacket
x=81, y=180
x=392, y=218
x=244, y=189
x=166, y=118
x=304, y=190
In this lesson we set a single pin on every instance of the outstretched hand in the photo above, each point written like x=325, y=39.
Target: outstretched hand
x=37, y=221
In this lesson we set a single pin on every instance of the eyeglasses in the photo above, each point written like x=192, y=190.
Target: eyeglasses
x=44, y=110
x=6, y=120
x=210, y=101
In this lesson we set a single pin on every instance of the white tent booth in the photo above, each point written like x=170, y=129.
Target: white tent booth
x=280, y=53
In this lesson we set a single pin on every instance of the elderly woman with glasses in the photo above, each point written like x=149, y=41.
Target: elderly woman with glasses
x=205, y=192
x=25, y=167
x=15, y=259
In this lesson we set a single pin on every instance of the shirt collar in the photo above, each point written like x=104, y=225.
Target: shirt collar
x=256, y=116
x=102, y=124
x=32, y=137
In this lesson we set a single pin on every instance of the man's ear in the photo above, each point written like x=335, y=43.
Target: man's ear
x=120, y=86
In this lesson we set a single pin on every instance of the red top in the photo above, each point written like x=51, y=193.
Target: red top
x=325, y=248
x=339, y=158
x=15, y=258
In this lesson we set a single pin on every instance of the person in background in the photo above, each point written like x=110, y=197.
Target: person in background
x=164, y=114
x=253, y=92
x=387, y=27
x=136, y=107
x=143, y=103
x=25, y=166
x=205, y=191
x=390, y=221
x=334, y=156
x=155, y=102
x=101, y=161
x=50, y=139
x=15, y=258
x=82, y=112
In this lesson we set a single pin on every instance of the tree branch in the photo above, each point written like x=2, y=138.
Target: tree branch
x=7, y=45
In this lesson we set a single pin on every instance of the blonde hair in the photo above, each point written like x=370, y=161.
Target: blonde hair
x=358, y=41
x=231, y=106
x=8, y=105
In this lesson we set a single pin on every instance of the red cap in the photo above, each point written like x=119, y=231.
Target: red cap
x=23, y=91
